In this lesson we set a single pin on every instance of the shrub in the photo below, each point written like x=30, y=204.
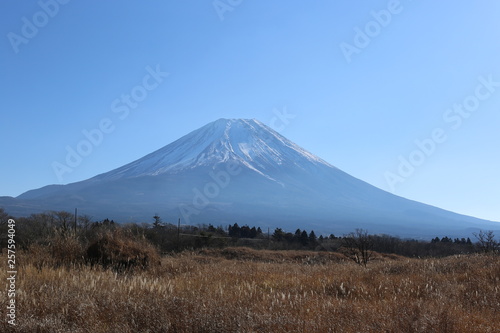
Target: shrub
x=119, y=251
x=60, y=250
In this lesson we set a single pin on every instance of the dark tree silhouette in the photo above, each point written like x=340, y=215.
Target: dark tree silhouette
x=358, y=246
x=486, y=241
x=157, y=223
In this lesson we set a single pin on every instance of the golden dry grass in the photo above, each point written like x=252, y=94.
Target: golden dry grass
x=243, y=290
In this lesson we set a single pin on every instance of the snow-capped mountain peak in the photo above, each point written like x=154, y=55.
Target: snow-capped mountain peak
x=247, y=141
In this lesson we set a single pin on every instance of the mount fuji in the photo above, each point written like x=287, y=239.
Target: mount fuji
x=240, y=170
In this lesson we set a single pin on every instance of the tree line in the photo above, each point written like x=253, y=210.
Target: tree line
x=167, y=237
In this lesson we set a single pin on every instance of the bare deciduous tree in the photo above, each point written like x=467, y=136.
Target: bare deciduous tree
x=4, y=218
x=62, y=220
x=486, y=241
x=84, y=221
x=358, y=246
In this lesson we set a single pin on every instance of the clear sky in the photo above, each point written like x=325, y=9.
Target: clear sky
x=363, y=81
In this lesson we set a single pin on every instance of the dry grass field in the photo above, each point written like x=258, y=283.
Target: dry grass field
x=244, y=290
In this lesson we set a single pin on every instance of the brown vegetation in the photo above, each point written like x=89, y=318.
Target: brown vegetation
x=116, y=250
x=244, y=290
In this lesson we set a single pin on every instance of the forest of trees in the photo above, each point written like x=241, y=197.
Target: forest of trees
x=166, y=237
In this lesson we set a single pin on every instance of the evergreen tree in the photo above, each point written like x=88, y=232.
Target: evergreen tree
x=312, y=237
x=157, y=222
x=304, y=238
x=235, y=230
x=278, y=234
x=296, y=236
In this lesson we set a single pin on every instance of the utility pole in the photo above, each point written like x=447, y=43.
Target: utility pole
x=179, y=232
x=76, y=215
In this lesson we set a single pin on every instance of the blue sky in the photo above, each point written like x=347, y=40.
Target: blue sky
x=363, y=80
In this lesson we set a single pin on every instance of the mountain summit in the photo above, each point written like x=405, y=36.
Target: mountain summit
x=245, y=141
x=240, y=170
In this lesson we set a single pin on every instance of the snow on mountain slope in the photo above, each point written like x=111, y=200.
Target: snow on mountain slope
x=247, y=141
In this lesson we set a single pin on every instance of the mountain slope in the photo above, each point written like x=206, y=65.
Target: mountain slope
x=238, y=170
x=248, y=142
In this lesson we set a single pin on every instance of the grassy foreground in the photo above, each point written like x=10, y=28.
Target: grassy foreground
x=244, y=290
